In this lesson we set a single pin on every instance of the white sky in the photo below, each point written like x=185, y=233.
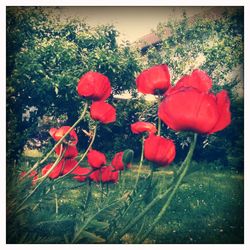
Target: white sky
x=131, y=22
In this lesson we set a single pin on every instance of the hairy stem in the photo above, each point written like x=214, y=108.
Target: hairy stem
x=140, y=164
x=159, y=120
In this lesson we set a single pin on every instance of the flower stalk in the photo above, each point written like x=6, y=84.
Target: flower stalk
x=59, y=158
x=140, y=164
x=83, y=156
x=159, y=119
x=41, y=161
x=165, y=207
x=159, y=198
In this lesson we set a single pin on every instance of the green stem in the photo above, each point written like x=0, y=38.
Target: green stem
x=140, y=216
x=91, y=218
x=159, y=120
x=56, y=200
x=83, y=156
x=88, y=196
x=140, y=164
x=165, y=207
x=41, y=161
x=60, y=156
x=158, y=197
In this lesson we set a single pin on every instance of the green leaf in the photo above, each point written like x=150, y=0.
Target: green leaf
x=98, y=225
x=128, y=156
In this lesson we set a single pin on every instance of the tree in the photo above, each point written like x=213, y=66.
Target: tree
x=46, y=57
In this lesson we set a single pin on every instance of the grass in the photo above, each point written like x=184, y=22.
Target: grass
x=208, y=208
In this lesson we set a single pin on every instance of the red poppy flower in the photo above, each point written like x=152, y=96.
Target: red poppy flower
x=102, y=112
x=68, y=165
x=96, y=159
x=190, y=106
x=159, y=150
x=71, y=151
x=55, y=172
x=105, y=174
x=95, y=176
x=140, y=127
x=33, y=174
x=155, y=80
x=94, y=86
x=81, y=174
x=57, y=134
x=117, y=162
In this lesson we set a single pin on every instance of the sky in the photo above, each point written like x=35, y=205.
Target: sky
x=131, y=22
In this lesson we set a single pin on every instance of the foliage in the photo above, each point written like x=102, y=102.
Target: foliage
x=46, y=57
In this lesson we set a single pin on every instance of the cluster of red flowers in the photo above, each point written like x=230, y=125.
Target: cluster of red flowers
x=187, y=106
x=68, y=161
x=157, y=149
x=96, y=87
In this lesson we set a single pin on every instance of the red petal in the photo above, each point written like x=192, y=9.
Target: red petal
x=71, y=151
x=198, y=80
x=140, y=127
x=69, y=164
x=159, y=150
x=95, y=86
x=56, y=171
x=81, y=173
x=223, y=107
x=189, y=109
x=153, y=80
x=103, y=112
x=52, y=132
x=117, y=162
x=96, y=159
x=96, y=175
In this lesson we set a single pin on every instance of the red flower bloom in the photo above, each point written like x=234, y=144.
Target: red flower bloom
x=117, y=162
x=71, y=151
x=95, y=176
x=102, y=112
x=105, y=174
x=159, y=150
x=32, y=174
x=57, y=134
x=94, y=86
x=68, y=165
x=189, y=106
x=140, y=127
x=155, y=80
x=55, y=172
x=96, y=159
x=81, y=174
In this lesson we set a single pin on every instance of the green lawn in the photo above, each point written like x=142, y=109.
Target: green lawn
x=208, y=208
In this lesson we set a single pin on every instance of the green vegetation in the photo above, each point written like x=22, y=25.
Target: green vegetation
x=208, y=208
